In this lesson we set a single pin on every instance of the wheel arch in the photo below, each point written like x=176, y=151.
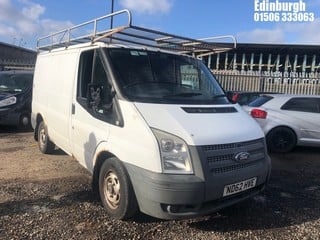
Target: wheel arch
x=100, y=159
x=283, y=126
x=39, y=119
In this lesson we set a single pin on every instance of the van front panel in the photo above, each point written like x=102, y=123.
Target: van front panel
x=232, y=163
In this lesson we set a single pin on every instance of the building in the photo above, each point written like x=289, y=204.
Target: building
x=268, y=57
x=268, y=67
x=15, y=57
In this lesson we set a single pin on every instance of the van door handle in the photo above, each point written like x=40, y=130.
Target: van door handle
x=73, y=109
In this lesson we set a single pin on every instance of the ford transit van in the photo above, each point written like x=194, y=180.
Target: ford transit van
x=148, y=120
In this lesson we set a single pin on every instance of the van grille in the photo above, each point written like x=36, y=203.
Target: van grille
x=221, y=158
x=231, y=168
x=230, y=145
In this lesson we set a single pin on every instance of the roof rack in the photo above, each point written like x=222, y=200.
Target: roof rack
x=138, y=36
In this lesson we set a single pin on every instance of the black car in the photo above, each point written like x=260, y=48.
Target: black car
x=15, y=97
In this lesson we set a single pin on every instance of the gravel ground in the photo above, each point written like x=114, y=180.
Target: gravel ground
x=50, y=197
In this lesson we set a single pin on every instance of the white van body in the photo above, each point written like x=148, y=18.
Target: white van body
x=169, y=156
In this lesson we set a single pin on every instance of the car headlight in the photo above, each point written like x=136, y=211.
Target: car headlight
x=174, y=152
x=8, y=101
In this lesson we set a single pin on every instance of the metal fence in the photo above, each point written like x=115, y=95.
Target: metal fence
x=280, y=82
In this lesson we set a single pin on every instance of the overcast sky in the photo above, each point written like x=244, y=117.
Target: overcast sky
x=23, y=21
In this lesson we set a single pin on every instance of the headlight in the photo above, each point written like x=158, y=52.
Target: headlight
x=174, y=151
x=8, y=101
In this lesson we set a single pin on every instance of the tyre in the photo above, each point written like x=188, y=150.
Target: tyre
x=44, y=142
x=281, y=140
x=116, y=190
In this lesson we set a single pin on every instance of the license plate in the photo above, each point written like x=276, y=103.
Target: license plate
x=239, y=186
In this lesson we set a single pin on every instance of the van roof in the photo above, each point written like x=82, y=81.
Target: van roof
x=130, y=35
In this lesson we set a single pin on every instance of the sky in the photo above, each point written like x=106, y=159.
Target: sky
x=22, y=22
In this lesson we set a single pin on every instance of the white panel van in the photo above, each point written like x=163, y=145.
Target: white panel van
x=149, y=121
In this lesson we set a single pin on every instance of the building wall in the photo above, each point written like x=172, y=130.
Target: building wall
x=13, y=57
x=262, y=57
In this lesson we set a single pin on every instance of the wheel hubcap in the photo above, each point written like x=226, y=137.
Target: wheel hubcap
x=112, y=190
x=42, y=137
x=282, y=141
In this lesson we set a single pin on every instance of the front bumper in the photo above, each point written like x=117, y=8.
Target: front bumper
x=170, y=196
x=9, y=117
x=179, y=196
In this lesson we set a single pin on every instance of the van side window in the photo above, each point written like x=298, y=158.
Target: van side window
x=85, y=73
x=94, y=90
x=100, y=92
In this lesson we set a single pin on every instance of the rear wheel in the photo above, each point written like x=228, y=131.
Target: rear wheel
x=44, y=142
x=281, y=140
x=116, y=190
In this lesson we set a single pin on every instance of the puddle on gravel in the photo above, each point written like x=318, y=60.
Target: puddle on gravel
x=11, y=149
x=39, y=209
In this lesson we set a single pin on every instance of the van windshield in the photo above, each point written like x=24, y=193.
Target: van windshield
x=158, y=77
x=14, y=82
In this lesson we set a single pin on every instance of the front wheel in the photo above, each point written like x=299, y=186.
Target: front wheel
x=116, y=191
x=46, y=146
x=281, y=140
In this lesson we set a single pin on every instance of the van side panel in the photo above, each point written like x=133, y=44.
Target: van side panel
x=53, y=84
x=134, y=143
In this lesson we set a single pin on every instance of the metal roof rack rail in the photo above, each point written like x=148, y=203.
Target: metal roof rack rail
x=134, y=35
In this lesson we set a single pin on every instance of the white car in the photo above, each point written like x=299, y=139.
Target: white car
x=287, y=120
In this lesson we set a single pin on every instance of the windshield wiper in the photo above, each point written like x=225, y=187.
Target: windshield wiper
x=190, y=94
x=156, y=82
x=219, y=96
